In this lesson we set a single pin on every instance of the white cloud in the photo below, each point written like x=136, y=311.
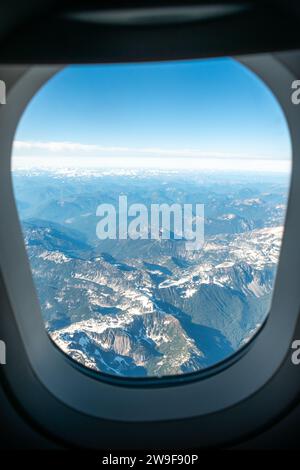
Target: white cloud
x=77, y=149
x=63, y=154
x=61, y=146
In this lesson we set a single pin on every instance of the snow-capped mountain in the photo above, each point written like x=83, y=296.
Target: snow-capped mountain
x=149, y=307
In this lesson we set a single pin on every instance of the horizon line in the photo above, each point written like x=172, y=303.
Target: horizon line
x=69, y=149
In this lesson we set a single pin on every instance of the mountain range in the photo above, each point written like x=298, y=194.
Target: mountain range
x=150, y=307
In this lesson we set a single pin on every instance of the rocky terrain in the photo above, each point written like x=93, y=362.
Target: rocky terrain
x=149, y=307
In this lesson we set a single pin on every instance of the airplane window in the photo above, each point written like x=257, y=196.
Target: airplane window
x=152, y=199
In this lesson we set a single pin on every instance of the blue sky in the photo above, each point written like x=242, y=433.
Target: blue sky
x=212, y=108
